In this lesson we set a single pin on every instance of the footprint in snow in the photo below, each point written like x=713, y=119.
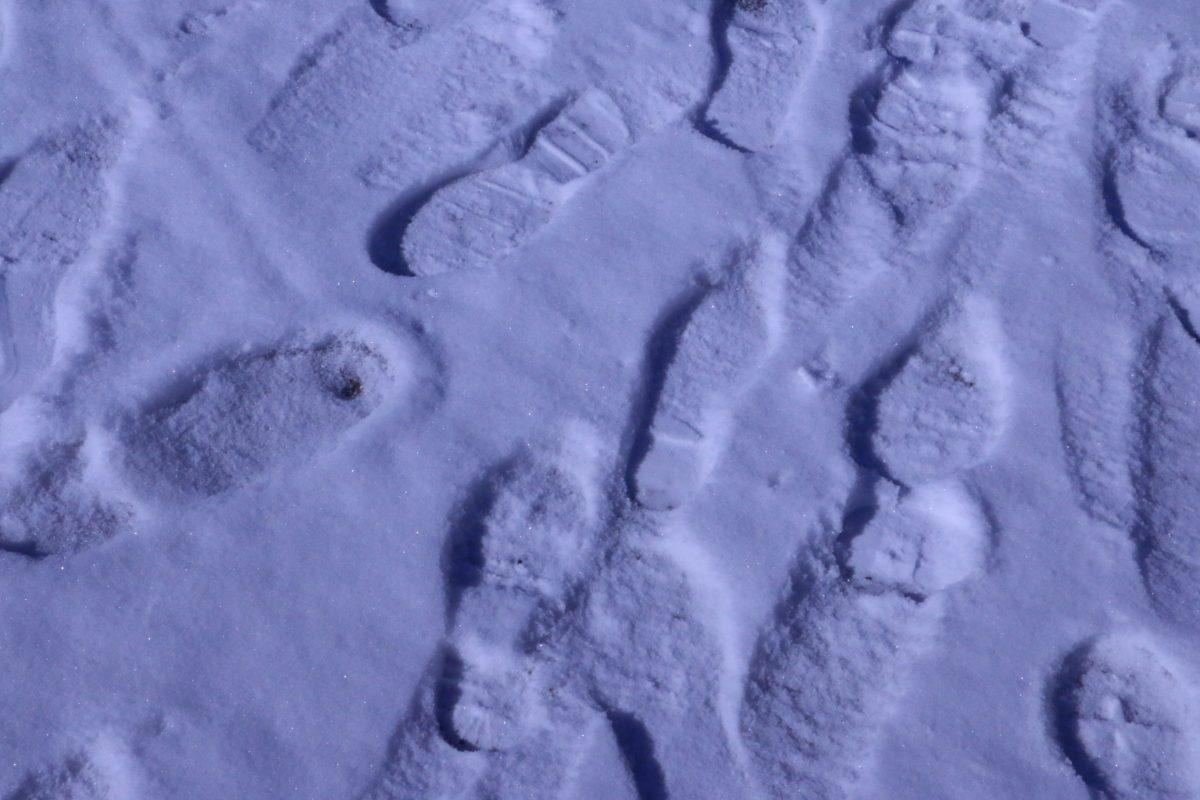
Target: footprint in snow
x=352, y=93
x=235, y=421
x=1126, y=718
x=717, y=356
x=1152, y=166
x=480, y=219
x=1168, y=423
x=832, y=669
x=54, y=201
x=251, y=414
x=536, y=540
x=947, y=407
x=764, y=49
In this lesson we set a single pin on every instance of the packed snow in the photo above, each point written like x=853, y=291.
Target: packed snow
x=623, y=399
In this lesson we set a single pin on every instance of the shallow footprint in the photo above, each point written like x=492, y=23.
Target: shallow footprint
x=53, y=202
x=355, y=88
x=251, y=414
x=1127, y=718
x=926, y=135
x=1169, y=490
x=770, y=43
x=717, y=357
x=1152, y=178
x=482, y=218
x=1038, y=100
x=946, y=409
x=52, y=507
x=1095, y=404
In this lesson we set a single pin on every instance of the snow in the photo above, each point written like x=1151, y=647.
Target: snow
x=429, y=399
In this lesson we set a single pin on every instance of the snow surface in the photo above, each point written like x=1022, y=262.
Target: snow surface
x=646, y=399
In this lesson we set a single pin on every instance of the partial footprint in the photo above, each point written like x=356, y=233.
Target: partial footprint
x=947, y=408
x=421, y=16
x=104, y=770
x=1126, y=717
x=1168, y=488
x=717, y=357
x=1039, y=100
x=920, y=544
x=538, y=537
x=1095, y=402
x=53, y=203
x=250, y=414
x=358, y=86
x=1152, y=167
x=53, y=506
x=421, y=761
x=481, y=219
x=923, y=145
x=767, y=46
x=1179, y=98
x=648, y=644
x=329, y=90
x=827, y=676
x=915, y=153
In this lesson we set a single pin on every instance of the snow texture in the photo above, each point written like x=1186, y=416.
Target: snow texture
x=672, y=400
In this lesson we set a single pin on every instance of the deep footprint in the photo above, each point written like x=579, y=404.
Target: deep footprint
x=538, y=537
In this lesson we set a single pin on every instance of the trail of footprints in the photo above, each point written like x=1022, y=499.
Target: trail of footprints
x=1125, y=703
x=835, y=663
x=564, y=595
x=587, y=604
x=827, y=673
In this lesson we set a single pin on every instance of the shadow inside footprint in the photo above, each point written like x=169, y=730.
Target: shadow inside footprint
x=447, y=695
x=1062, y=716
x=637, y=750
x=386, y=238
x=721, y=19
x=661, y=350
x=6, y=168
x=462, y=554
